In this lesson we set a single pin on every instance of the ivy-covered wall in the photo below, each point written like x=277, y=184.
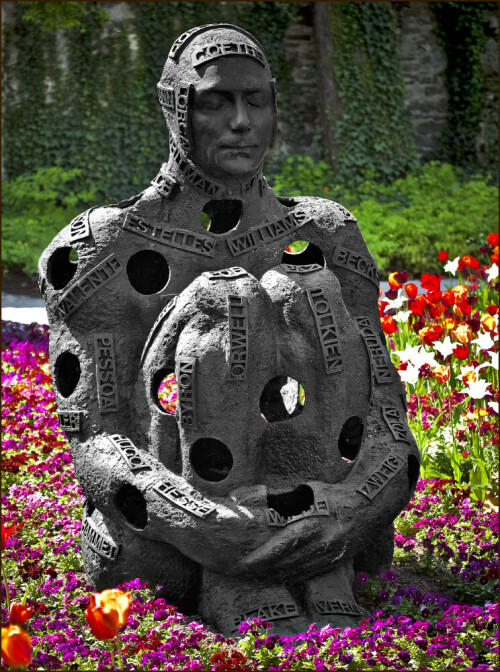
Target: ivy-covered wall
x=87, y=98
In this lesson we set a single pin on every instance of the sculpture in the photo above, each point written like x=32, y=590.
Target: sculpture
x=250, y=500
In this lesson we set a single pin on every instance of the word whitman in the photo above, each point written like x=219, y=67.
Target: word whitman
x=327, y=330
x=238, y=337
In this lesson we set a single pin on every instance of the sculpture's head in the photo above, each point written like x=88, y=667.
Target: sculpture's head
x=219, y=101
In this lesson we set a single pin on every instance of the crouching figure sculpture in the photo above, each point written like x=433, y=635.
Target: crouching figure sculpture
x=288, y=455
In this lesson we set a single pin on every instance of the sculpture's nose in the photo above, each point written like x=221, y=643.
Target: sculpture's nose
x=240, y=121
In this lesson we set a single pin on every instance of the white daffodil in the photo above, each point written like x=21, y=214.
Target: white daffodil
x=476, y=389
x=445, y=348
x=417, y=355
x=452, y=266
x=493, y=405
x=409, y=375
x=492, y=272
x=484, y=341
x=402, y=315
x=407, y=354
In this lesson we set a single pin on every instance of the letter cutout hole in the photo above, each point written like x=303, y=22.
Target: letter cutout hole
x=211, y=459
x=282, y=398
x=67, y=373
x=302, y=253
x=221, y=216
x=61, y=267
x=147, y=271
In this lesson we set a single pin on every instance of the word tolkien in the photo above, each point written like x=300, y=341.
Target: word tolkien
x=395, y=423
x=164, y=184
x=266, y=233
x=185, y=382
x=130, y=453
x=184, y=500
x=182, y=115
x=107, y=390
x=269, y=612
x=376, y=351
x=358, y=263
x=274, y=519
x=183, y=240
x=308, y=268
x=166, y=96
x=238, y=337
x=70, y=421
x=387, y=470
x=337, y=607
x=216, y=49
x=98, y=541
x=99, y=276
x=152, y=334
x=79, y=227
x=227, y=273
x=327, y=330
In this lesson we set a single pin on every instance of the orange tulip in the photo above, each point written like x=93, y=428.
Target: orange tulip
x=16, y=647
x=430, y=335
x=441, y=373
x=388, y=325
x=411, y=290
x=488, y=323
x=462, y=333
x=108, y=612
x=19, y=613
x=460, y=292
x=393, y=281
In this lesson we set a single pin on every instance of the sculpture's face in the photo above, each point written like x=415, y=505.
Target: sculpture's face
x=232, y=118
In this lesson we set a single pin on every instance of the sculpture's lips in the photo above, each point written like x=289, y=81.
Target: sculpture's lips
x=238, y=146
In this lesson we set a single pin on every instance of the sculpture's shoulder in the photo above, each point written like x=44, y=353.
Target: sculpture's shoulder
x=326, y=213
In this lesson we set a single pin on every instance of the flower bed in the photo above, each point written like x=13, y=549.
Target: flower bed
x=440, y=613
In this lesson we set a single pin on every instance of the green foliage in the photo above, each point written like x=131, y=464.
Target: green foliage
x=372, y=129
x=51, y=16
x=461, y=34
x=34, y=210
x=405, y=224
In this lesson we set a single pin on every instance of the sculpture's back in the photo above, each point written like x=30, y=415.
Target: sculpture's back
x=288, y=455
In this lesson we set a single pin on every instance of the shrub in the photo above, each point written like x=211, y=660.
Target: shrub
x=35, y=208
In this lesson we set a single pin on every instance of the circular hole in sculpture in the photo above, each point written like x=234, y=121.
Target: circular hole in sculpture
x=413, y=472
x=165, y=390
x=293, y=502
x=282, y=398
x=211, y=459
x=67, y=373
x=221, y=216
x=130, y=501
x=303, y=253
x=147, y=271
x=350, y=438
x=61, y=267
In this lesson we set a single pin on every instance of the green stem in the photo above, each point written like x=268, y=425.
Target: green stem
x=7, y=595
x=119, y=652
x=111, y=650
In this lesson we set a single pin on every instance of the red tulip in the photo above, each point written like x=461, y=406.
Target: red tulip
x=16, y=647
x=394, y=283
x=433, y=295
x=462, y=333
x=19, y=613
x=411, y=290
x=432, y=282
x=443, y=256
x=388, y=325
x=430, y=335
x=492, y=239
x=6, y=532
x=418, y=305
x=108, y=612
x=492, y=309
x=461, y=351
x=441, y=373
x=382, y=305
x=448, y=298
x=471, y=262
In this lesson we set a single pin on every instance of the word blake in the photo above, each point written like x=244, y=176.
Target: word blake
x=268, y=612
